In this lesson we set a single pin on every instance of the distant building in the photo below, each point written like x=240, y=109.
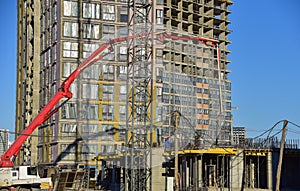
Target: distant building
x=239, y=135
x=3, y=140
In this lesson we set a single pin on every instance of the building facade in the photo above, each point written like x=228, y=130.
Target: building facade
x=3, y=140
x=55, y=36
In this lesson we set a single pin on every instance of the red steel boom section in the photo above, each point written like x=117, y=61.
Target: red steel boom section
x=7, y=158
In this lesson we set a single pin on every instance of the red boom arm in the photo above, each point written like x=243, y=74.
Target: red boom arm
x=7, y=158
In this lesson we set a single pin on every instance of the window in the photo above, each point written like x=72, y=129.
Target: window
x=92, y=72
x=122, y=113
x=108, y=72
x=53, y=68
x=74, y=89
x=70, y=8
x=123, y=53
x=108, y=12
x=54, y=50
x=159, y=56
x=123, y=31
x=107, y=112
x=123, y=14
x=159, y=75
x=68, y=130
x=159, y=94
x=158, y=113
x=54, y=33
x=159, y=16
x=140, y=17
x=89, y=111
x=88, y=49
x=122, y=73
x=90, y=91
x=68, y=68
x=140, y=93
x=91, y=11
x=107, y=149
x=67, y=152
x=70, y=49
x=91, y=31
x=89, y=151
x=121, y=133
x=70, y=29
x=108, y=92
x=69, y=111
x=160, y=2
x=89, y=131
x=108, y=32
x=107, y=132
x=55, y=12
x=122, y=93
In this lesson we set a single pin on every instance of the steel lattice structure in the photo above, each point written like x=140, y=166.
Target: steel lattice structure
x=138, y=158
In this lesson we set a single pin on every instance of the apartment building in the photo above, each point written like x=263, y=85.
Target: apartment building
x=55, y=36
x=4, y=142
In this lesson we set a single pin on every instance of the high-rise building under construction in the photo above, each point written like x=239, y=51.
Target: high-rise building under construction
x=55, y=36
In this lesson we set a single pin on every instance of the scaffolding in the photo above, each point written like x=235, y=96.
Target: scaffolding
x=138, y=157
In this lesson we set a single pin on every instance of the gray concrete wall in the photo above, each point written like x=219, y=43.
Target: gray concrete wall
x=236, y=175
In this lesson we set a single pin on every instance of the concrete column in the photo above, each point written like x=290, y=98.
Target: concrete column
x=237, y=168
x=184, y=170
x=199, y=172
x=269, y=171
x=195, y=169
x=187, y=176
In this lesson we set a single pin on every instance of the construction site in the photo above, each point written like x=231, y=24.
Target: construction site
x=135, y=95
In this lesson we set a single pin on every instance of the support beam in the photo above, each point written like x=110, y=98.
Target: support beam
x=278, y=174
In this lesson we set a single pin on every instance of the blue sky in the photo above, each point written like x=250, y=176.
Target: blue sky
x=265, y=65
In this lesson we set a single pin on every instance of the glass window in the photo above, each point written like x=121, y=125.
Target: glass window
x=123, y=94
x=107, y=132
x=69, y=111
x=88, y=49
x=108, y=72
x=122, y=73
x=107, y=112
x=122, y=53
x=108, y=92
x=67, y=152
x=89, y=131
x=160, y=2
x=89, y=111
x=54, y=33
x=70, y=49
x=92, y=72
x=55, y=12
x=90, y=91
x=91, y=31
x=68, y=130
x=122, y=113
x=89, y=151
x=107, y=149
x=70, y=8
x=159, y=16
x=108, y=32
x=70, y=29
x=74, y=89
x=121, y=133
x=91, y=11
x=123, y=14
x=123, y=31
x=108, y=12
x=68, y=68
